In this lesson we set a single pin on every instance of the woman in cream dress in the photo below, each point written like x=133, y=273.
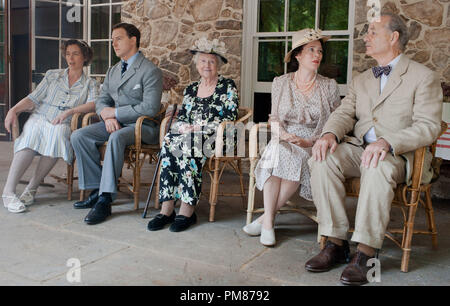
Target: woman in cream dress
x=46, y=133
x=301, y=104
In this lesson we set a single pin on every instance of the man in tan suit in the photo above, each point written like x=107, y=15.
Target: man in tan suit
x=389, y=112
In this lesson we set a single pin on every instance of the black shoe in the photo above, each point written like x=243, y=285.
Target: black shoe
x=100, y=211
x=159, y=221
x=182, y=223
x=89, y=202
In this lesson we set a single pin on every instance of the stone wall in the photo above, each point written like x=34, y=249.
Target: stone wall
x=429, y=30
x=169, y=28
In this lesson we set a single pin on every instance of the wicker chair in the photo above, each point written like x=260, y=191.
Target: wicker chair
x=406, y=197
x=135, y=154
x=68, y=180
x=216, y=164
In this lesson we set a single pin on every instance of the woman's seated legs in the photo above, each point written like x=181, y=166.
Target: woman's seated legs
x=167, y=207
x=277, y=192
x=20, y=163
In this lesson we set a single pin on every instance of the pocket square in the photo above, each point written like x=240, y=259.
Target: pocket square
x=137, y=86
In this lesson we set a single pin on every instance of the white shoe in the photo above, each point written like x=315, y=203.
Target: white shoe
x=267, y=237
x=27, y=196
x=13, y=204
x=253, y=229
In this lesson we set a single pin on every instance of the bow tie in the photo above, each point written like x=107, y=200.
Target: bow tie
x=379, y=70
x=124, y=67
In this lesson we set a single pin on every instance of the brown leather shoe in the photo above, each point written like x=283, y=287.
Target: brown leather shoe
x=355, y=274
x=331, y=255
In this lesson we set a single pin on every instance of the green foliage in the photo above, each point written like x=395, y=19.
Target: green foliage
x=271, y=16
x=333, y=15
x=301, y=14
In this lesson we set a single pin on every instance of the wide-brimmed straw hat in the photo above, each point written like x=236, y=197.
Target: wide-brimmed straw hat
x=303, y=37
x=214, y=46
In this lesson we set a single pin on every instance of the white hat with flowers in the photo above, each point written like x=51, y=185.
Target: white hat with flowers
x=214, y=46
x=303, y=37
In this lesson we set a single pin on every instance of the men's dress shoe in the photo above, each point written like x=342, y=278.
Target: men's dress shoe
x=159, y=221
x=182, y=223
x=331, y=255
x=356, y=272
x=89, y=202
x=100, y=211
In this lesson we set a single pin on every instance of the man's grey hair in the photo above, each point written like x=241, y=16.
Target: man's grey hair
x=397, y=24
x=218, y=59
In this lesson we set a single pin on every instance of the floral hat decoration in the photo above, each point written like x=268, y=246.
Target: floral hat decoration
x=215, y=46
x=303, y=37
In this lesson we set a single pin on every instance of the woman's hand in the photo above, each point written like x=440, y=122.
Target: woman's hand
x=298, y=141
x=186, y=128
x=11, y=120
x=61, y=117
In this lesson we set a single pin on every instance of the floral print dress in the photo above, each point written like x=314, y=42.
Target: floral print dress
x=184, y=155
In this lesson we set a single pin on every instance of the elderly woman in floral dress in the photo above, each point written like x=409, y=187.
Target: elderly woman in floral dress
x=206, y=104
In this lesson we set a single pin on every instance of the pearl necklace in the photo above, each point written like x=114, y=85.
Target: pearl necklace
x=309, y=84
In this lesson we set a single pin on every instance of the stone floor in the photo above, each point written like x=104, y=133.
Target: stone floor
x=36, y=246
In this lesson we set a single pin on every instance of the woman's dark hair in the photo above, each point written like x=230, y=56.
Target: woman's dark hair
x=292, y=66
x=86, y=50
x=131, y=31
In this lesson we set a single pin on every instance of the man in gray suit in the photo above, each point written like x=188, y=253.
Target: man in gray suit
x=132, y=88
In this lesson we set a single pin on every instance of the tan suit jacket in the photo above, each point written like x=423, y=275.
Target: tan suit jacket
x=407, y=114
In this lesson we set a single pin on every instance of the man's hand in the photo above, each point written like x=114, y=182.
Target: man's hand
x=108, y=113
x=375, y=151
x=10, y=120
x=112, y=125
x=320, y=148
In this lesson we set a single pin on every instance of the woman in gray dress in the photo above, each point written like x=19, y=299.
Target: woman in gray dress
x=58, y=96
x=301, y=104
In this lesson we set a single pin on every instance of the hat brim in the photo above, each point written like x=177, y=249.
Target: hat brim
x=287, y=58
x=220, y=55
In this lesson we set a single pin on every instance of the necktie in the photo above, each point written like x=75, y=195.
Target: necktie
x=124, y=67
x=379, y=70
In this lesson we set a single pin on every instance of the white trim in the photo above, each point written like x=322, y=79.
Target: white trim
x=351, y=24
x=109, y=40
x=250, y=11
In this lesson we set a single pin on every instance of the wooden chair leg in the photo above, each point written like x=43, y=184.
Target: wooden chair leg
x=69, y=181
x=406, y=243
x=214, y=190
x=251, y=192
x=241, y=180
x=136, y=183
x=430, y=218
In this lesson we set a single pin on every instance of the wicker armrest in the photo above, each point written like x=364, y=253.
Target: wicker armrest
x=87, y=119
x=138, y=127
x=74, y=123
x=253, y=141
